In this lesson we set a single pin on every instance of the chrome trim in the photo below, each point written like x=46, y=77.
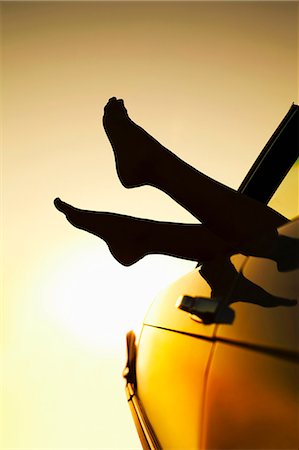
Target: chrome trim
x=146, y=434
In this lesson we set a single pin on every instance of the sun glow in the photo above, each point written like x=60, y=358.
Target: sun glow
x=66, y=341
x=97, y=300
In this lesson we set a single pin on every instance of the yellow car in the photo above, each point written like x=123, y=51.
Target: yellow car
x=216, y=363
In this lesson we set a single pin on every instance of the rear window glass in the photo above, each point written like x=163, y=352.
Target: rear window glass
x=285, y=200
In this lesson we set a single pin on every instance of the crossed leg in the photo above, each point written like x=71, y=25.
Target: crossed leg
x=140, y=160
x=229, y=219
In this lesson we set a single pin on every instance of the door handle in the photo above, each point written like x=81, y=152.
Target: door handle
x=206, y=309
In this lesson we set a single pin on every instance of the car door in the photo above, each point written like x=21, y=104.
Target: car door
x=172, y=356
x=251, y=398
x=252, y=390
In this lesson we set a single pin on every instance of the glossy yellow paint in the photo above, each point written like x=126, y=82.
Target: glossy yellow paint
x=252, y=401
x=171, y=369
x=164, y=313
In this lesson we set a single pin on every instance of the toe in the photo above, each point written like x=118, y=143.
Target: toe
x=62, y=206
x=57, y=203
x=115, y=107
x=110, y=102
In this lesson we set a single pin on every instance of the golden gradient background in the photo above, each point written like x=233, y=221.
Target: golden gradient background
x=211, y=81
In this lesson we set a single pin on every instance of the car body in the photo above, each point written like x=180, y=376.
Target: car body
x=216, y=363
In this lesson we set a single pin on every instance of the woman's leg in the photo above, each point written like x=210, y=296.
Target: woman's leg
x=140, y=160
x=130, y=239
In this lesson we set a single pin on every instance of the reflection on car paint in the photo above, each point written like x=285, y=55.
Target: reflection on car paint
x=223, y=277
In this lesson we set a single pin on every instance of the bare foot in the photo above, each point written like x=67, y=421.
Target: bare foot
x=123, y=234
x=137, y=154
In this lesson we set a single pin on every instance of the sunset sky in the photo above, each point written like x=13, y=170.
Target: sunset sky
x=211, y=81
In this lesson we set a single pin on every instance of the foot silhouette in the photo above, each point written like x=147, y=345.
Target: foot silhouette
x=123, y=234
x=137, y=154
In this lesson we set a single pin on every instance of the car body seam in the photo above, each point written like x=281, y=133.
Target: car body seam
x=289, y=355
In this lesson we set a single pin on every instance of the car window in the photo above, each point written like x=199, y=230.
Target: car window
x=285, y=200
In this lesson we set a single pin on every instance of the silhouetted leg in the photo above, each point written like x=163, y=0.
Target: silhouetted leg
x=129, y=238
x=140, y=160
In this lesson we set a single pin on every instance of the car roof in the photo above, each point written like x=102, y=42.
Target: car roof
x=275, y=160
